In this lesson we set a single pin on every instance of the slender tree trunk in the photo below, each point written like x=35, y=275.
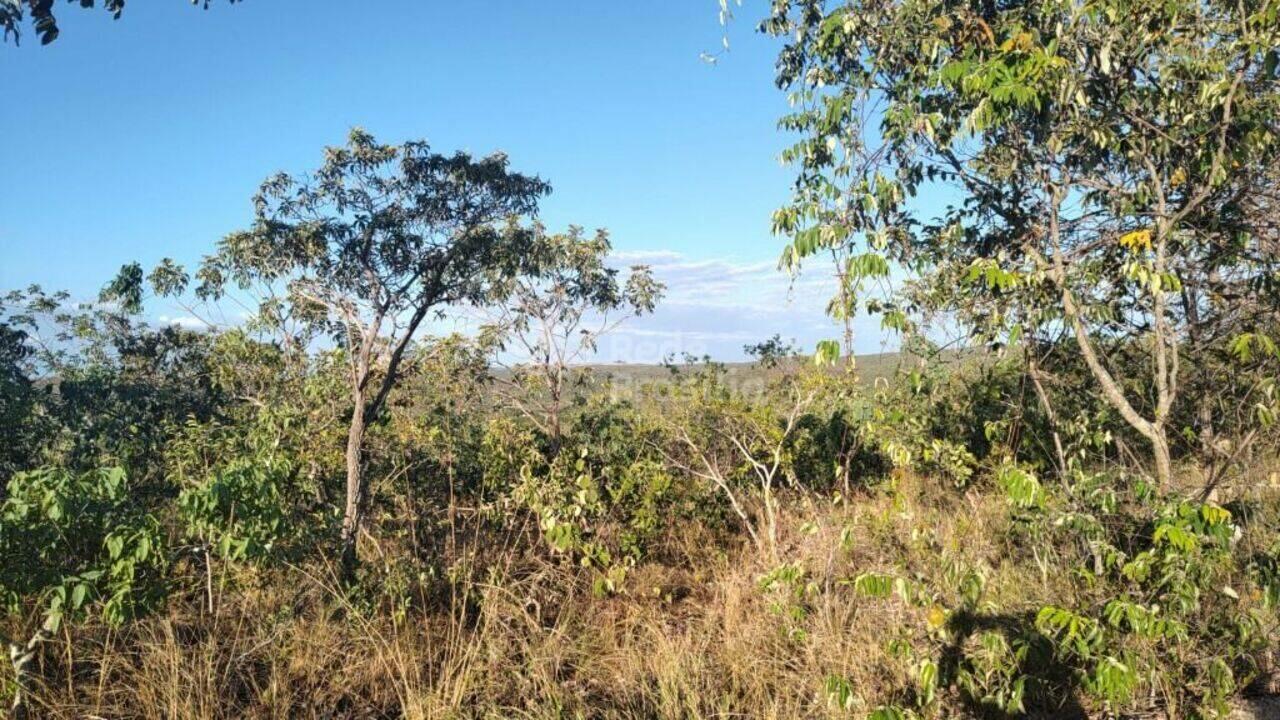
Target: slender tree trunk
x=1033, y=370
x=846, y=316
x=771, y=518
x=1208, y=450
x=1111, y=390
x=1160, y=449
x=365, y=407
x=1154, y=432
x=352, y=511
x=553, y=414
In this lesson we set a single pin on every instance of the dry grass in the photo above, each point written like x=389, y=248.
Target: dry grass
x=695, y=637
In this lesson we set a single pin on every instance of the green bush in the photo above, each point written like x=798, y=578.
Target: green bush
x=72, y=543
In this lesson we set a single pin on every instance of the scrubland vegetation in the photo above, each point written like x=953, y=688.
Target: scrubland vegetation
x=322, y=510
x=811, y=547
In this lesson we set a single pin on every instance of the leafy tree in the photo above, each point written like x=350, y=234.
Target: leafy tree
x=379, y=239
x=555, y=313
x=772, y=352
x=43, y=21
x=101, y=388
x=1104, y=155
x=17, y=397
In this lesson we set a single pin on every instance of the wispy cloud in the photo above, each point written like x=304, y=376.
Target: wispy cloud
x=642, y=257
x=715, y=306
x=712, y=306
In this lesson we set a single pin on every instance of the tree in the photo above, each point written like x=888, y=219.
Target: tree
x=379, y=239
x=96, y=386
x=1103, y=153
x=772, y=352
x=17, y=397
x=43, y=21
x=555, y=313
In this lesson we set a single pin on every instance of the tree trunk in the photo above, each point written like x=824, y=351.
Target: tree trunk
x=1033, y=370
x=1208, y=448
x=771, y=519
x=354, y=508
x=555, y=389
x=1160, y=449
x=1152, y=431
x=1111, y=392
x=553, y=421
x=365, y=406
x=1166, y=377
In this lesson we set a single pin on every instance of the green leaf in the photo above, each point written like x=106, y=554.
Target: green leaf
x=78, y=592
x=870, y=584
x=115, y=546
x=827, y=353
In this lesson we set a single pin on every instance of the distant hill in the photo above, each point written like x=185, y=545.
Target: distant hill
x=871, y=367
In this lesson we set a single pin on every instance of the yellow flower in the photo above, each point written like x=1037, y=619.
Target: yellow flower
x=937, y=617
x=1136, y=240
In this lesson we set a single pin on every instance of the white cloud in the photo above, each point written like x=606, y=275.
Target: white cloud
x=184, y=321
x=644, y=257
x=712, y=306
x=715, y=306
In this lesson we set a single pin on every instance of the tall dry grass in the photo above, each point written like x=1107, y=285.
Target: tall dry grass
x=695, y=636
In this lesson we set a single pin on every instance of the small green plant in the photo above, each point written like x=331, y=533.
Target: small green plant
x=1020, y=486
x=991, y=673
x=790, y=588
x=1176, y=589
x=73, y=544
x=238, y=512
x=839, y=693
x=601, y=495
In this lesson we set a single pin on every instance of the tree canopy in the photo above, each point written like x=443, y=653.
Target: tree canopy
x=43, y=21
x=1110, y=162
x=363, y=251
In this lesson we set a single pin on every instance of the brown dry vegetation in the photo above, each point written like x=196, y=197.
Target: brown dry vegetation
x=518, y=633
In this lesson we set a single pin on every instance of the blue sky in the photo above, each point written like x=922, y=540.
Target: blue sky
x=145, y=137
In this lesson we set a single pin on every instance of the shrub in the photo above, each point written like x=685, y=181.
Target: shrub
x=71, y=545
